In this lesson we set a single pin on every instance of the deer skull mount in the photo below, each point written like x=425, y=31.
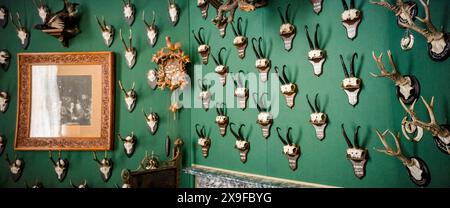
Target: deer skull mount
x=130, y=97
x=4, y=14
x=318, y=119
x=203, y=49
x=203, y=140
x=417, y=169
x=22, y=32
x=265, y=118
x=287, y=29
x=356, y=154
x=351, y=18
x=152, y=30
x=152, y=121
x=174, y=12
x=43, y=11
x=316, y=56
x=152, y=78
x=2, y=144
x=288, y=89
x=129, y=11
x=204, y=95
x=407, y=42
x=240, y=41
x=61, y=166
x=230, y=7
x=129, y=143
x=290, y=149
x=15, y=167
x=408, y=88
x=351, y=84
x=441, y=133
x=242, y=144
x=37, y=185
x=317, y=5
x=80, y=186
x=241, y=90
x=222, y=119
x=221, y=67
x=262, y=62
x=107, y=31
x=438, y=41
x=203, y=6
x=130, y=52
x=106, y=166
x=5, y=59
x=4, y=101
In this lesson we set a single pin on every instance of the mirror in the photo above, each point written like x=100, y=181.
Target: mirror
x=65, y=101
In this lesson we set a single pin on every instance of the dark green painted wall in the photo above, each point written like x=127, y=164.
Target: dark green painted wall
x=82, y=166
x=321, y=162
x=324, y=162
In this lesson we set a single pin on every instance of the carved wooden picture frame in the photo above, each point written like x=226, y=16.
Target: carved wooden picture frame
x=65, y=101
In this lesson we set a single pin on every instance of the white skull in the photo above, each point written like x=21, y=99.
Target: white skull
x=3, y=101
x=289, y=150
x=240, y=92
x=318, y=118
x=43, y=12
x=205, y=95
x=151, y=35
x=262, y=63
x=351, y=82
x=356, y=154
x=59, y=171
x=203, y=141
x=15, y=168
x=220, y=69
x=240, y=144
x=287, y=88
x=105, y=170
x=128, y=145
x=415, y=169
x=23, y=35
x=315, y=54
x=438, y=45
x=173, y=12
x=130, y=56
x=239, y=40
x=350, y=15
x=107, y=35
x=221, y=119
x=264, y=117
x=128, y=11
x=203, y=48
x=201, y=2
x=286, y=29
x=2, y=14
x=125, y=185
x=4, y=57
x=129, y=100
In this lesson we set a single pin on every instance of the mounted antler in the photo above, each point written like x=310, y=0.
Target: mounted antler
x=394, y=75
x=238, y=135
x=407, y=86
x=416, y=167
x=318, y=119
x=438, y=41
x=389, y=151
x=432, y=126
x=316, y=108
x=96, y=159
x=130, y=96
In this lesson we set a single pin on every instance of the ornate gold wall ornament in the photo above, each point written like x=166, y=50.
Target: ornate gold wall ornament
x=172, y=66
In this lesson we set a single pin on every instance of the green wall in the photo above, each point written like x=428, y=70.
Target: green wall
x=82, y=166
x=324, y=162
x=321, y=162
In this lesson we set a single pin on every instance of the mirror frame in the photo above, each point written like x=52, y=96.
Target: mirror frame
x=106, y=139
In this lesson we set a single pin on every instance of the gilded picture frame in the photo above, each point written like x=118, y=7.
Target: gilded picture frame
x=65, y=101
